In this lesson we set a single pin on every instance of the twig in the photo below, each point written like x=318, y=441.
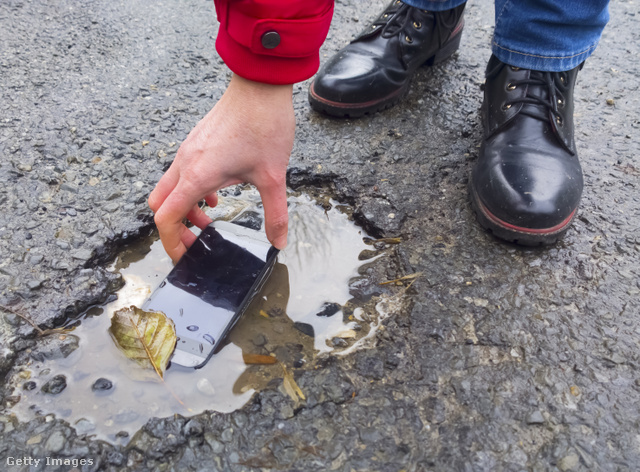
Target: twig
x=411, y=277
x=41, y=332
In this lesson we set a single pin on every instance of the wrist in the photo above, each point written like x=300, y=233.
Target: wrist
x=259, y=92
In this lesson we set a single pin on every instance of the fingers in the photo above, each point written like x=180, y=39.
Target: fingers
x=276, y=216
x=174, y=234
x=163, y=188
x=198, y=218
x=212, y=199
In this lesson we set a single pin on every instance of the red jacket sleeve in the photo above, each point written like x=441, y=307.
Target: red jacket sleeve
x=272, y=41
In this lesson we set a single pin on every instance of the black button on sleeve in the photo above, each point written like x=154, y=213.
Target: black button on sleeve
x=270, y=40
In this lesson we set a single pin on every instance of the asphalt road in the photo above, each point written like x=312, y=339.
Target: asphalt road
x=503, y=358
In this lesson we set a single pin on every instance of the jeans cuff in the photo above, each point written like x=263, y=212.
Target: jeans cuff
x=539, y=62
x=434, y=5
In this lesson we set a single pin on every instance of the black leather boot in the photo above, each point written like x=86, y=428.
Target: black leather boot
x=527, y=183
x=373, y=71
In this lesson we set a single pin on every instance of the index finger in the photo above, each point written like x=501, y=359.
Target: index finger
x=176, y=206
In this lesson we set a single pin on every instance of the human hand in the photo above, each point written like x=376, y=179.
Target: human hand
x=246, y=137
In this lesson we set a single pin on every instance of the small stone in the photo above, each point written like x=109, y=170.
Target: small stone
x=25, y=167
x=304, y=328
x=29, y=385
x=93, y=181
x=56, y=441
x=37, y=439
x=260, y=340
x=55, y=347
x=36, y=259
x=55, y=385
x=69, y=188
x=102, y=384
x=216, y=446
x=329, y=309
x=111, y=207
x=84, y=426
x=535, y=418
x=611, y=101
x=569, y=462
x=205, y=387
x=82, y=254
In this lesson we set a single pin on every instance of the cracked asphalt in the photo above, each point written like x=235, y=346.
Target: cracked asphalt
x=503, y=358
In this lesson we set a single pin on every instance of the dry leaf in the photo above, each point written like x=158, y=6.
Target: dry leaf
x=258, y=359
x=290, y=386
x=147, y=337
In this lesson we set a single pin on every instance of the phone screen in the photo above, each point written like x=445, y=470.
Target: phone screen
x=208, y=289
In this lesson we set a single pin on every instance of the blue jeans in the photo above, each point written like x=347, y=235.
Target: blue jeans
x=547, y=35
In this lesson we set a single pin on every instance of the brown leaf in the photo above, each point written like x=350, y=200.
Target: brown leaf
x=147, y=337
x=258, y=359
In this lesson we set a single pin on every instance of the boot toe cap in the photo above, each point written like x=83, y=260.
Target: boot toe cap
x=540, y=195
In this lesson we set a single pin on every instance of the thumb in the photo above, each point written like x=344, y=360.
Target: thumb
x=276, y=216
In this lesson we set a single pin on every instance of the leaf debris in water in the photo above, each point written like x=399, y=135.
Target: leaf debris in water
x=147, y=337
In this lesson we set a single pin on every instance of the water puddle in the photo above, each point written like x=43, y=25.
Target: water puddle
x=314, y=303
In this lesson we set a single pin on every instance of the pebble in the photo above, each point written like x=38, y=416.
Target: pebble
x=535, y=418
x=82, y=254
x=84, y=426
x=56, y=441
x=569, y=462
x=304, y=328
x=55, y=385
x=102, y=384
x=260, y=340
x=329, y=309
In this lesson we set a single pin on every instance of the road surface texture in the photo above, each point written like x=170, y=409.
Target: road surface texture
x=504, y=358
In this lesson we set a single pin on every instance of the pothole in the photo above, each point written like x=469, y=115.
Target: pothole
x=318, y=300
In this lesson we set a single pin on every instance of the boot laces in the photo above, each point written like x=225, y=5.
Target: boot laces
x=396, y=18
x=546, y=106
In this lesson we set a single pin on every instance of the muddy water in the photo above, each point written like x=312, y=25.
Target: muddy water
x=304, y=310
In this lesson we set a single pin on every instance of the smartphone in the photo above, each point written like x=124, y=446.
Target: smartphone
x=211, y=286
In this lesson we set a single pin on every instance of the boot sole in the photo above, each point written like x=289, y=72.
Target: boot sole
x=515, y=234
x=356, y=110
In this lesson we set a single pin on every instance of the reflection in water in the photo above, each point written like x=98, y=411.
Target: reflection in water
x=302, y=310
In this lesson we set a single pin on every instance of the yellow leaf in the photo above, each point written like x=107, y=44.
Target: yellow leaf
x=290, y=386
x=147, y=337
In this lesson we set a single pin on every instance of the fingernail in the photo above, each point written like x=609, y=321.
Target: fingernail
x=280, y=243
